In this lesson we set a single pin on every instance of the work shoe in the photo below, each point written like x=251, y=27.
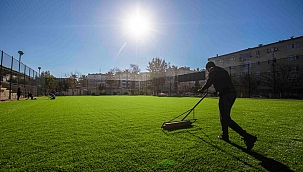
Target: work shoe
x=249, y=140
x=225, y=138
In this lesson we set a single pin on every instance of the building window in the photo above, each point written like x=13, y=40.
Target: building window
x=232, y=58
x=232, y=67
x=220, y=60
x=272, y=50
x=258, y=63
x=293, y=45
x=271, y=61
x=294, y=57
x=246, y=65
x=245, y=56
x=297, y=45
x=293, y=80
x=289, y=46
x=245, y=73
x=257, y=53
x=258, y=73
x=294, y=69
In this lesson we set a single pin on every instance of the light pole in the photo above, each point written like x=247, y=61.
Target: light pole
x=39, y=86
x=230, y=71
x=20, y=54
x=100, y=80
x=273, y=69
x=248, y=74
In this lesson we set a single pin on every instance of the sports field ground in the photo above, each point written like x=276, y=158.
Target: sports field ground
x=122, y=133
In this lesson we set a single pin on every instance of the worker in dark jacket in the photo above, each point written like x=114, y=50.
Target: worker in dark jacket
x=219, y=78
x=18, y=93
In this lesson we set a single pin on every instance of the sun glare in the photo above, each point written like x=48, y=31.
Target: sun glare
x=138, y=24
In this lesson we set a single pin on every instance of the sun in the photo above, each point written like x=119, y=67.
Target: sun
x=138, y=24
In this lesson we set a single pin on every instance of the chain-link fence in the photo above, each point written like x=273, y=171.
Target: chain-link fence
x=14, y=74
x=273, y=78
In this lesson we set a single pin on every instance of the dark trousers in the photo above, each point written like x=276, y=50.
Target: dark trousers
x=226, y=102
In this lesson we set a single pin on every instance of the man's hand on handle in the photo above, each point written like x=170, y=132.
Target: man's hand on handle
x=207, y=91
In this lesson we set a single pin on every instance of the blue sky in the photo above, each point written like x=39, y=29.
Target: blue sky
x=89, y=36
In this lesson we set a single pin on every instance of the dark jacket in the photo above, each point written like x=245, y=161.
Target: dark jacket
x=219, y=78
x=18, y=92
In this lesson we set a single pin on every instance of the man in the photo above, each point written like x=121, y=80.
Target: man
x=219, y=78
x=18, y=93
x=52, y=96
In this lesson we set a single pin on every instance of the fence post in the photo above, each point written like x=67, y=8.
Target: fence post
x=29, y=80
x=1, y=77
x=10, y=78
x=24, y=86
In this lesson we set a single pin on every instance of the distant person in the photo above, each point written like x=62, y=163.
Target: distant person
x=219, y=78
x=30, y=95
x=52, y=96
x=18, y=93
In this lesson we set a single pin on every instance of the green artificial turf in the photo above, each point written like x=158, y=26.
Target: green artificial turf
x=122, y=133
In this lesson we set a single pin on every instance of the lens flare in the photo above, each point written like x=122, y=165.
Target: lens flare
x=138, y=24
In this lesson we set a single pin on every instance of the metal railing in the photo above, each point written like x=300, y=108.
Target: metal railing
x=14, y=74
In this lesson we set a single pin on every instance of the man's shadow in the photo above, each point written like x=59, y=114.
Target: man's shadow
x=267, y=163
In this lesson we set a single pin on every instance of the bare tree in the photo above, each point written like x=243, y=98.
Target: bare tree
x=73, y=81
x=135, y=71
x=50, y=82
x=110, y=78
x=83, y=81
x=127, y=72
x=283, y=78
x=118, y=74
x=157, y=67
x=175, y=69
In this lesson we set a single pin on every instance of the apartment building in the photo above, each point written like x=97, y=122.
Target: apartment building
x=251, y=67
x=121, y=83
x=142, y=83
x=172, y=86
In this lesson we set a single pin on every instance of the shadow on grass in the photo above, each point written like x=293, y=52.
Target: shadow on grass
x=213, y=144
x=267, y=163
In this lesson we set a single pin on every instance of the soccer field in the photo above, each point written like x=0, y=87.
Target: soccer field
x=122, y=133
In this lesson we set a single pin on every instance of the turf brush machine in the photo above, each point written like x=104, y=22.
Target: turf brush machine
x=184, y=123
